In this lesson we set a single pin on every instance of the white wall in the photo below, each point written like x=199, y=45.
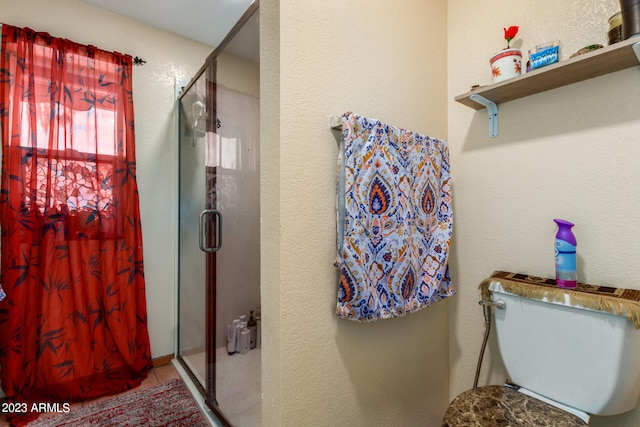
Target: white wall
x=568, y=153
x=168, y=57
x=270, y=167
x=320, y=59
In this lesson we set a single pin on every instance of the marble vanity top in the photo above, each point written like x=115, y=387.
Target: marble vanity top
x=497, y=405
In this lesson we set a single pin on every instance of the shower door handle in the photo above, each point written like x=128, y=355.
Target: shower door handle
x=203, y=230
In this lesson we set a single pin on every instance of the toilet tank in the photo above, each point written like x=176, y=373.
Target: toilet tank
x=583, y=358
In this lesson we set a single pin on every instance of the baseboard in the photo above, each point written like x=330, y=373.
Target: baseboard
x=162, y=360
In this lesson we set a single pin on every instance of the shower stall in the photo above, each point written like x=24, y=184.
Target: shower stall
x=219, y=224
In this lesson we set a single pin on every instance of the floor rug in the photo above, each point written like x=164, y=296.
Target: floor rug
x=168, y=404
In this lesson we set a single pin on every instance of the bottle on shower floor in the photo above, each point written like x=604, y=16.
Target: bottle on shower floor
x=252, y=325
x=232, y=329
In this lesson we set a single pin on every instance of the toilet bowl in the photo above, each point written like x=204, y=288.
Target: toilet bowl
x=572, y=353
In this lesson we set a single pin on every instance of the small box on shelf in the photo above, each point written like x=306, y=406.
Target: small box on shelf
x=544, y=54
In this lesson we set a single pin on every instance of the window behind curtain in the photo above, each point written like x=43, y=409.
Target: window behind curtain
x=69, y=124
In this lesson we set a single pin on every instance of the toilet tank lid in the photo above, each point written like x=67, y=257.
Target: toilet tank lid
x=617, y=301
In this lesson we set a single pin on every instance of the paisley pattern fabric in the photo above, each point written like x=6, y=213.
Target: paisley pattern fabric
x=394, y=220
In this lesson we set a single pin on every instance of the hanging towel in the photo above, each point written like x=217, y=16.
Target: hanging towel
x=394, y=219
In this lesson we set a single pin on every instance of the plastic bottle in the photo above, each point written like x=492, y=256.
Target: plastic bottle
x=258, y=332
x=566, y=275
x=244, y=341
x=253, y=329
x=231, y=336
x=239, y=328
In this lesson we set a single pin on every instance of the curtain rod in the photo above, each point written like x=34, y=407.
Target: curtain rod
x=136, y=60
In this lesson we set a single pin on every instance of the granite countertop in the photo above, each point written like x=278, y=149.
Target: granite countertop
x=497, y=405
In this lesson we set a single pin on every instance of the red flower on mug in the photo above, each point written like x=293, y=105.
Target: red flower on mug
x=510, y=33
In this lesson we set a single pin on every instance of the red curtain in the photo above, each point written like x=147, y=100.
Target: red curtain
x=74, y=324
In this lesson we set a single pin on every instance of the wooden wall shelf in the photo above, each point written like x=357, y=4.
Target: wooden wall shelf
x=609, y=59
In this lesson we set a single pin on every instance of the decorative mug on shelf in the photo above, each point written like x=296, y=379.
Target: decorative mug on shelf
x=506, y=64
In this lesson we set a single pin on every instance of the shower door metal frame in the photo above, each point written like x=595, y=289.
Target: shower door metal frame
x=206, y=230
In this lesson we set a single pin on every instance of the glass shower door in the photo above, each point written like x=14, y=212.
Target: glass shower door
x=193, y=262
x=233, y=151
x=219, y=226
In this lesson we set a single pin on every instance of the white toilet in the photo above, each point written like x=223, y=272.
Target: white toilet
x=580, y=361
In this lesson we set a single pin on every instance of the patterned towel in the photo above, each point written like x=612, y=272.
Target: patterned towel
x=394, y=220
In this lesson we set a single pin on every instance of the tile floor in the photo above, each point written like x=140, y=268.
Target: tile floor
x=157, y=376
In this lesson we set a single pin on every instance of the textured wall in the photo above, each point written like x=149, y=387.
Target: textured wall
x=168, y=57
x=380, y=60
x=570, y=153
x=270, y=253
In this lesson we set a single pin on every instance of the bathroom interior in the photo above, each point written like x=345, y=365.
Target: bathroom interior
x=568, y=152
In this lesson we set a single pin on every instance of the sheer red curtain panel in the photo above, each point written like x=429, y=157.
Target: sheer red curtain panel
x=73, y=325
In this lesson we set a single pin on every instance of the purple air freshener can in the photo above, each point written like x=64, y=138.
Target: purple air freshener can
x=566, y=274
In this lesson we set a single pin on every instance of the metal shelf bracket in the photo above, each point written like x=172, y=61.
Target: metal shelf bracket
x=636, y=49
x=492, y=111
